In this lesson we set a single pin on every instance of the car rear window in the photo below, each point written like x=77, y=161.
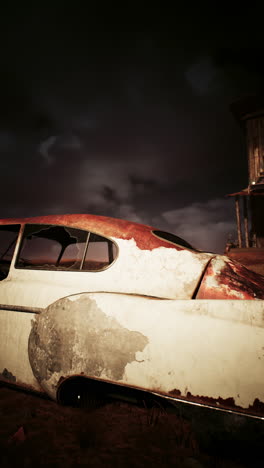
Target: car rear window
x=173, y=239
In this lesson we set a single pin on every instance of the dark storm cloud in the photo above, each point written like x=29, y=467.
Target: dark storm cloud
x=127, y=115
x=207, y=226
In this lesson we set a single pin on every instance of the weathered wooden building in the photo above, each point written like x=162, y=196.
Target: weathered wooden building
x=249, y=201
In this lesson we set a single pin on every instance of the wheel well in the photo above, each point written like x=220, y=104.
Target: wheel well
x=77, y=389
x=81, y=391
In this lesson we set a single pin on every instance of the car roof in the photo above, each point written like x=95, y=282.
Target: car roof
x=106, y=226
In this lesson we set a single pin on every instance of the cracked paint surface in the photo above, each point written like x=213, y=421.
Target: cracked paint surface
x=77, y=337
x=163, y=272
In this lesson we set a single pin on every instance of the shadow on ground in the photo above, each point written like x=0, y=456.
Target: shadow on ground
x=39, y=432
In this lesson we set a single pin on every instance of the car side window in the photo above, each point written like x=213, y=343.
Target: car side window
x=8, y=238
x=49, y=247
x=101, y=252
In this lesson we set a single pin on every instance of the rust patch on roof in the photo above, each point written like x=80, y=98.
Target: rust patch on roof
x=106, y=226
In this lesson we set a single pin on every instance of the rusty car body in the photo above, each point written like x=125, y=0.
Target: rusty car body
x=107, y=300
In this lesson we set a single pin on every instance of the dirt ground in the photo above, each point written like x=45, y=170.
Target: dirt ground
x=39, y=432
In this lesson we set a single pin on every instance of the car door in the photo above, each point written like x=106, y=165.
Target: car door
x=40, y=264
x=15, y=324
x=53, y=261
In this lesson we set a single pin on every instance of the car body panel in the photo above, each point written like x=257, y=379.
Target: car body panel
x=161, y=317
x=207, y=351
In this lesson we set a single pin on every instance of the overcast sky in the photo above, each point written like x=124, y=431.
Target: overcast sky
x=126, y=113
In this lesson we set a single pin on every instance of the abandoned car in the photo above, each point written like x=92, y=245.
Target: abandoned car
x=101, y=299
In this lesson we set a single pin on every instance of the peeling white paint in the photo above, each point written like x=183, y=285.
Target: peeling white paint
x=162, y=272
x=209, y=348
x=165, y=272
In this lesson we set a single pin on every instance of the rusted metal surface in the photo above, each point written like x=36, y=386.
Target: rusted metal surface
x=110, y=227
x=227, y=279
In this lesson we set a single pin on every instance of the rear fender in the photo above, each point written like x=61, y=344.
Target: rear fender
x=228, y=279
